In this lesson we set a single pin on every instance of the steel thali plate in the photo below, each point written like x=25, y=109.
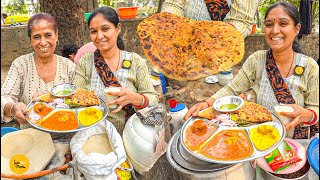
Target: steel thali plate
x=277, y=123
x=102, y=106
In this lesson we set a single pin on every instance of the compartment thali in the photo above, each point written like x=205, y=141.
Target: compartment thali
x=244, y=137
x=66, y=113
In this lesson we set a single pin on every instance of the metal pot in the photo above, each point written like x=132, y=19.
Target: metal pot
x=192, y=168
x=269, y=176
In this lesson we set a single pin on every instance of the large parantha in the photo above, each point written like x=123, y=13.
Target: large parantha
x=83, y=97
x=185, y=49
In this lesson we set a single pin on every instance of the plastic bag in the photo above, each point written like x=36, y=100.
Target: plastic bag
x=125, y=171
x=280, y=161
x=96, y=165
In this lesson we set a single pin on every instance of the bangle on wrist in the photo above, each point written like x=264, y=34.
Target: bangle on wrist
x=313, y=120
x=145, y=102
x=12, y=106
x=205, y=101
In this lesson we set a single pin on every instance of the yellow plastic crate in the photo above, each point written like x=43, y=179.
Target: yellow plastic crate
x=17, y=19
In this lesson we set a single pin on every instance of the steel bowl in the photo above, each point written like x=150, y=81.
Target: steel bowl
x=55, y=91
x=228, y=100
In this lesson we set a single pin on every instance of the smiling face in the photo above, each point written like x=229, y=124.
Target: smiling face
x=280, y=30
x=43, y=39
x=103, y=33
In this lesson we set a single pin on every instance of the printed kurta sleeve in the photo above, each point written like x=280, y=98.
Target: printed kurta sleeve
x=143, y=84
x=10, y=89
x=312, y=93
x=242, y=82
x=83, y=74
x=241, y=15
x=174, y=7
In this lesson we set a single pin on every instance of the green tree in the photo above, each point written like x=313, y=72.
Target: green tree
x=109, y=3
x=69, y=16
x=36, y=6
x=265, y=4
x=16, y=7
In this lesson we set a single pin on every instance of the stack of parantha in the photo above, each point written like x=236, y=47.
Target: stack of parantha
x=185, y=49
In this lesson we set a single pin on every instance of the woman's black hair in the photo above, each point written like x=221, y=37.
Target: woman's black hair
x=69, y=49
x=110, y=15
x=293, y=12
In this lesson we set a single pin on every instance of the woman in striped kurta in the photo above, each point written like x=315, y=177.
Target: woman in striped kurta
x=300, y=89
x=240, y=13
x=110, y=65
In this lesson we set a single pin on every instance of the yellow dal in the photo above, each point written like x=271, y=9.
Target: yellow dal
x=89, y=116
x=264, y=136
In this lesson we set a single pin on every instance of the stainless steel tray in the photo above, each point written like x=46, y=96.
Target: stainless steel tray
x=277, y=123
x=76, y=110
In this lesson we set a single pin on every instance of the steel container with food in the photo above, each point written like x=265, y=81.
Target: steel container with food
x=228, y=104
x=63, y=90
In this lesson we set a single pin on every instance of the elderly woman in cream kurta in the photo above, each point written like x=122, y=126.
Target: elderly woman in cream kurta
x=35, y=72
x=110, y=65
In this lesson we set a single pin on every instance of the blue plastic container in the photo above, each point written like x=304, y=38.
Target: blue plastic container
x=313, y=154
x=5, y=130
x=163, y=83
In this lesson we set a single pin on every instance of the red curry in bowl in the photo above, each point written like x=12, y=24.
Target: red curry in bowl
x=197, y=133
x=42, y=109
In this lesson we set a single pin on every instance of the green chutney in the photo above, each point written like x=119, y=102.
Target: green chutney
x=228, y=106
x=64, y=92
